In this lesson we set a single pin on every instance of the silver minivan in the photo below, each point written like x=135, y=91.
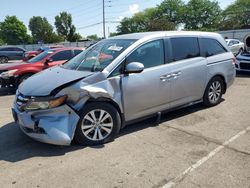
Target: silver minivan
x=120, y=80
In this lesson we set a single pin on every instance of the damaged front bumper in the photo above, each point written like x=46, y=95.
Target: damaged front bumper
x=53, y=126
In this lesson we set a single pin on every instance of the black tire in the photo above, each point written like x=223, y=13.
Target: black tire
x=3, y=60
x=82, y=139
x=208, y=98
x=23, y=77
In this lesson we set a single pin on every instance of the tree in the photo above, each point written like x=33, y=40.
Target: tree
x=13, y=31
x=149, y=20
x=202, y=15
x=42, y=31
x=65, y=27
x=173, y=10
x=93, y=37
x=237, y=15
x=1, y=42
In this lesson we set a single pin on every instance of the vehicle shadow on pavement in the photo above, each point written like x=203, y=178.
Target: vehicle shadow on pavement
x=166, y=116
x=15, y=146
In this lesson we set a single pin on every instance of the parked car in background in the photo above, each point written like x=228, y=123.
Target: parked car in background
x=13, y=75
x=11, y=53
x=30, y=54
x=235, y=45
x=120, y=80
x=243, y=61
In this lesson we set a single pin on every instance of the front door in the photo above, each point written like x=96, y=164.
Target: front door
x=149, y=91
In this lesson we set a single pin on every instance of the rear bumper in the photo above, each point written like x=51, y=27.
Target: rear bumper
x=53, y=126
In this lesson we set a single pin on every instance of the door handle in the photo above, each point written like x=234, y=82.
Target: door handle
x=176, y=74
x=165, y=77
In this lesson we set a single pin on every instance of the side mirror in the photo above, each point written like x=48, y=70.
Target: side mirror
x=47, y=61
x=134, y=67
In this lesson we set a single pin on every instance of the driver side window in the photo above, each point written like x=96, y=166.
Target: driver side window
x=150, y=54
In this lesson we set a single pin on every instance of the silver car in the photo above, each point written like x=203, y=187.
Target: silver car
x=120, y=80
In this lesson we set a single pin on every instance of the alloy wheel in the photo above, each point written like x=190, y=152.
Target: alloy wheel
x=3, y=60
x=97, y=125
x=214, y=92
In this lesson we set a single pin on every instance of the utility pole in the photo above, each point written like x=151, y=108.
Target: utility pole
x=103, y=16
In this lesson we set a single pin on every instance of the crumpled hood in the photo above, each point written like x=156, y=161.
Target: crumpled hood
x=43, y=83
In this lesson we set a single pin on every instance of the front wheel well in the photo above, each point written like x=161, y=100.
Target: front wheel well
x=109, y=101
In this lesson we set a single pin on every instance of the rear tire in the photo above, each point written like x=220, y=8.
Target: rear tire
x=4, y=60
x=213, y=93
x=99, y=123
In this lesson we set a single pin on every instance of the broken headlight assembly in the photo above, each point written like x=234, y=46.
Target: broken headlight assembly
x=45, y=103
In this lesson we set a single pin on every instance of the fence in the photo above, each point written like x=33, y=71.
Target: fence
x=30, y=47
x=239, y=34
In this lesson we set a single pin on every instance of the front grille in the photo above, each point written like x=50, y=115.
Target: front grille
x=21, y=100
x=245, y=66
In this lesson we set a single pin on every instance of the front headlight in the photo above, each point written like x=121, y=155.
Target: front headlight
x=9, y=73
x=42, y=104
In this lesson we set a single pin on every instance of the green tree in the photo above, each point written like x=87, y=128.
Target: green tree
x=172, y=10
x=13, y=31
x=65, y=27
x=237, y=15
x=1, y=42
x=202, y=15
x=93, y=37
x=42, y=30
x=149, y=20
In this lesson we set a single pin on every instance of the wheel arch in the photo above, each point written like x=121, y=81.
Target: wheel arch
x=111, y=102
x=223, y=79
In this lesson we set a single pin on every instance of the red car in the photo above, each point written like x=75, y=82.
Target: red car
x=13, y=74
x=30, y=54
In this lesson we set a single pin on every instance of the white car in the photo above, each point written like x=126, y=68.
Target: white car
x=235, y=45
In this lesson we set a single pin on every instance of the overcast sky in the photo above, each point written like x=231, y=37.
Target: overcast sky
x=87, y=14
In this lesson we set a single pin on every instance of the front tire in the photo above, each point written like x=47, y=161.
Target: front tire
x=213, y=93
x=99, y=123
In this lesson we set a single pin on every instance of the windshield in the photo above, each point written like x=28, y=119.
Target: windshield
x=39, y=57
x=99, y=56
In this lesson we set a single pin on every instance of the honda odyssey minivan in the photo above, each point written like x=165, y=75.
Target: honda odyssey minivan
x=120, y=80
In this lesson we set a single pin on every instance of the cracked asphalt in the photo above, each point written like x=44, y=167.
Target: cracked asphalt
x=144, y=155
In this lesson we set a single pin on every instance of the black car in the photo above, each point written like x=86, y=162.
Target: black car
x=11, y=53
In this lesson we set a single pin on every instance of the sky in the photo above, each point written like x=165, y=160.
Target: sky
x=86, y=14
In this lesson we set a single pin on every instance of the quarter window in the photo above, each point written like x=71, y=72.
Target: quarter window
x=150, y=54
x=211, y=47
x=185, y=48
x=62, y=55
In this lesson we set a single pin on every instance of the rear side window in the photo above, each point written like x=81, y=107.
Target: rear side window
x=211, y=47
x=185, y=48
x=62, y=55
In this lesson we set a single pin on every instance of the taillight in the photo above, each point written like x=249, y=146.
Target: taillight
x=234, y=61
